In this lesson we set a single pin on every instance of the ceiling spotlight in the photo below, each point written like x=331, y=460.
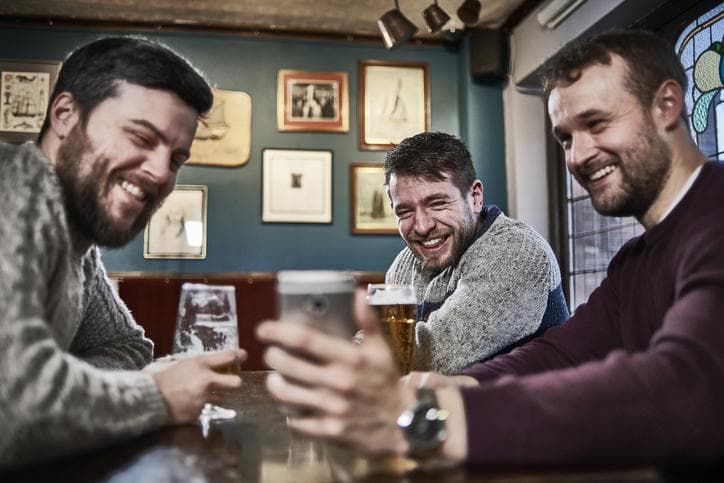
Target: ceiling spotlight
x=469, y=12
x=435, y=17
x=395, y=27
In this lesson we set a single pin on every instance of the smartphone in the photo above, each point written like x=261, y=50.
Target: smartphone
x=320, y=298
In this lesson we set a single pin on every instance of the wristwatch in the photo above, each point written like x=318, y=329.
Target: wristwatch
x=423, y=424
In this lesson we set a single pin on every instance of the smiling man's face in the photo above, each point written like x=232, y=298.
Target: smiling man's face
x=117, y=168
x=435, y=220
x=610, y=143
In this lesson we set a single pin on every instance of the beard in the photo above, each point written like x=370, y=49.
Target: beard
x=84, y=181
x=644, y=172
x=460, y=243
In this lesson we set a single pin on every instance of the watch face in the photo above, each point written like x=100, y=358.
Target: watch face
x=424, y=425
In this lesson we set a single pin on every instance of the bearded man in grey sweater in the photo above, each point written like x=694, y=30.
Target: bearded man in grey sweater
x=119, y=125
x=484, y=282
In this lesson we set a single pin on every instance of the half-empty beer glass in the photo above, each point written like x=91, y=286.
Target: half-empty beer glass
x=207, y=322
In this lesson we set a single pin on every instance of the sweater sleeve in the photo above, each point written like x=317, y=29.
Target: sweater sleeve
x=52, y=403
x=108, y=337
x=587, y=335
x=658, y=404
x=500, y=297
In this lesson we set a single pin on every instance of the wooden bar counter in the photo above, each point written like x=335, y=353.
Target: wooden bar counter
x=257, y=447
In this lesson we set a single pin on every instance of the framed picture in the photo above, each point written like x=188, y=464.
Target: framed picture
x=371, y=210
x=394, y=102
x=223, y=137
x=178, y=228
x=312, y=101
x=296, y=186
x=25, y=87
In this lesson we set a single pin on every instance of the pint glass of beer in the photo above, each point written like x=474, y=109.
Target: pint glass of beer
x=397, y=308
x=206, y=322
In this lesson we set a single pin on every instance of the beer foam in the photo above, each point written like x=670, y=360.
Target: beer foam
x=401, y=296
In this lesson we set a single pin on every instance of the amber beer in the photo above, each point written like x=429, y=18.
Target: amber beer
x=233, y=368
x=397, y=308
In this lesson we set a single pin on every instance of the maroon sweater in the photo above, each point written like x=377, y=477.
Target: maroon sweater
x=637, y=374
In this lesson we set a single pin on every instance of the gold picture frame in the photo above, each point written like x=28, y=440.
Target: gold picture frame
x=178, y=228
x=370, y=204
x=312, y=101
x=393, y=103
x=25, y=88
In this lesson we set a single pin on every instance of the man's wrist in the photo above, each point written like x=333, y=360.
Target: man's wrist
x=422, y=424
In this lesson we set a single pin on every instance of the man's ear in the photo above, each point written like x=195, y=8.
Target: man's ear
x=476, y=190
x=668, y=104
x=64, y=114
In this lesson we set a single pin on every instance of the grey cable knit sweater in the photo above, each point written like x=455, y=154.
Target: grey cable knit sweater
x=506, y=286
x=69, y=349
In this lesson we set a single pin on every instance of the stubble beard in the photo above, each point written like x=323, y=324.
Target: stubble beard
x=83, y=192
x=461, y=242
x=646, y=170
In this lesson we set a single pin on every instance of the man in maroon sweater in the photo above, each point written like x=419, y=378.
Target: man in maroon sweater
x=637, y=374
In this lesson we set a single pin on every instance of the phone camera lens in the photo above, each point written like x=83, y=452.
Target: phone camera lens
x=317, y=305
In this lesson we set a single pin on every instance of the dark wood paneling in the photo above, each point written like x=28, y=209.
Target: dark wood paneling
x=153, y=300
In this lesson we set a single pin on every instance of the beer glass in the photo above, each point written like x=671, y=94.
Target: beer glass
x=206, y=323
x=397, y=308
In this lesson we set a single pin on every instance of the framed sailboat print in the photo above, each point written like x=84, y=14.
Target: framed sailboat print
x=371, y=210
x=25, y=87
x=223, y=137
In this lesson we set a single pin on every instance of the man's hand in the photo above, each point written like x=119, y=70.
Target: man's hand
x=352, y=393
x=188, y=384
x=348, y=392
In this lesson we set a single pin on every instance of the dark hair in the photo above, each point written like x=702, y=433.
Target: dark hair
x=432, y=156
x=650, y=59
x=92, y=72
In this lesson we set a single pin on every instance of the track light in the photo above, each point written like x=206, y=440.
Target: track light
x=469, y=12
x=435, y=17
x=395, y=27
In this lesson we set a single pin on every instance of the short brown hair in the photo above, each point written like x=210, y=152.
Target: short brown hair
x=432, y=156
x=650, y=60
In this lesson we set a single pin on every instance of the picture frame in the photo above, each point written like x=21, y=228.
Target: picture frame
x=178, y=228
x=223, y=137
x=370, y=205
x=312, y=101
x=393, y=102
x=296, y=186
x=25, y=87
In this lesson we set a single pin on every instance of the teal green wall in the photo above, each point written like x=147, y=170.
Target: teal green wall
x=237, y=240
x=482, y=128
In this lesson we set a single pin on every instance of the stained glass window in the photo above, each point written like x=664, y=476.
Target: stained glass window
x=594, y=239
x=700, y=49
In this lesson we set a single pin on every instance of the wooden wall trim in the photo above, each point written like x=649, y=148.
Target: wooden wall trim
x=362, y=277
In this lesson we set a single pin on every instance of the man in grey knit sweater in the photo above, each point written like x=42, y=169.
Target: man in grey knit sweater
x=118, y=127
x=484, y=282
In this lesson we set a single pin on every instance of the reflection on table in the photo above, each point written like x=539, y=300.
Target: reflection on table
x=256, y=447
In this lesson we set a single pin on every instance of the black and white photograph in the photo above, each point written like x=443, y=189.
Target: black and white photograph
x=312, y=101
